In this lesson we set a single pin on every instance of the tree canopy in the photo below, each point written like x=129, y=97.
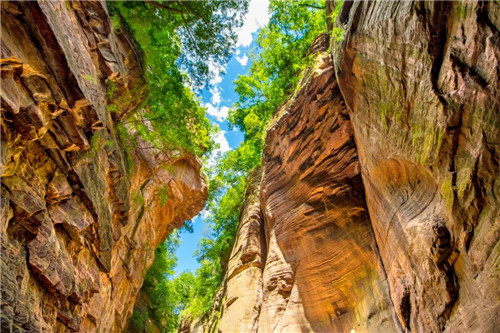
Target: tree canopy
x=180, y=41
x=281, y=55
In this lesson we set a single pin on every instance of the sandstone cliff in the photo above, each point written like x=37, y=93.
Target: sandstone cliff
x=421, y=81
x=81, y=216
x=378, y=205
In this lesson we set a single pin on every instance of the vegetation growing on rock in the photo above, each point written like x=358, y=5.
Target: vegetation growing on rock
x=282, y=55
x=179, y=40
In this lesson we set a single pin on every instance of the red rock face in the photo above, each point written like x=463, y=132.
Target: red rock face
x=322, y=273
x=243, y=285
x=305, y=257
x=421, y=83
x=80, y=219
x=380, y=184
x=376, y=208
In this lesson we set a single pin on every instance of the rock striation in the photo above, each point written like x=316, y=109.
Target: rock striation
x=81, y=215
x=322, y=272
x=421, y=81
x=379, y=196
x=305, y=257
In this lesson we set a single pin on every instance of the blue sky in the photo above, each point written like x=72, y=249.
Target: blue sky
x=217, y=101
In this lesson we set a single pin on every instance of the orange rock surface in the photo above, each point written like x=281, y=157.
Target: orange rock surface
x=380, y=182
x=421, y=80
x=376, y=208
x=80, y=220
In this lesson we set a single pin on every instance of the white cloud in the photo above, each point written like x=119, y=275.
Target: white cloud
x=216, y=99
x=205, y=214
x=242, y=60
x=218, y=112
x=216, y=79
x=220, y=138
x=256, y=18
x=215, y=70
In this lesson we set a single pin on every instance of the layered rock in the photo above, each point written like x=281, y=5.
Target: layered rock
x=380, y=182
x=305, y=257
x=322, y=272
x=421, y=81
x=238, y=302
x=81, y=214
x=243, y=283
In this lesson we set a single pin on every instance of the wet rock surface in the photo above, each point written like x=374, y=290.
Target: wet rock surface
x=80, y=212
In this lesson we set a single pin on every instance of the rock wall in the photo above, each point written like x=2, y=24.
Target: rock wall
x=379, y=194
x=421, y=80
x=81, y=215
x=322, y=272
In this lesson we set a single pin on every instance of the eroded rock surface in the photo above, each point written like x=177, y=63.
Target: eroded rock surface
x=380, y=183
x=81, y=216
x=421, y=80
x=322, y=272
x=305, y=257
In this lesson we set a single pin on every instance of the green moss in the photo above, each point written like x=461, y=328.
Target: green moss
x=137, y=198
x=465, y=164
x=163, y=195
x=337, y=34
x=447, y=191
x=90, y=78
x=128, y=143
x=95, y=144
x=384, y=110
x=111, y=89
x=399, y=117
x=463, y=182
x=461, y=10
x=112, y=108
x=426, y=139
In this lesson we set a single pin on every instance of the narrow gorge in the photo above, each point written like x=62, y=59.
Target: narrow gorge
x=374, y=204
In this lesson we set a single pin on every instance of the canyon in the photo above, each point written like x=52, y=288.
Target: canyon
x=376, y=207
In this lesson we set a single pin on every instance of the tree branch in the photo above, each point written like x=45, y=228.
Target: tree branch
x=163, y=6
x=311, y=6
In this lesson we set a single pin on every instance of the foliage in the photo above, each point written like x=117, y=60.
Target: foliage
x=282, y=54
x=177, y=37
x=337, y=32
x=167, y=296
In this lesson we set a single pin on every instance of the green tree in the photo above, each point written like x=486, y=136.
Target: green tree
x=179, y=41
x=281, y=55
x=205, y=30
x=276, y=64
x=168, y=295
